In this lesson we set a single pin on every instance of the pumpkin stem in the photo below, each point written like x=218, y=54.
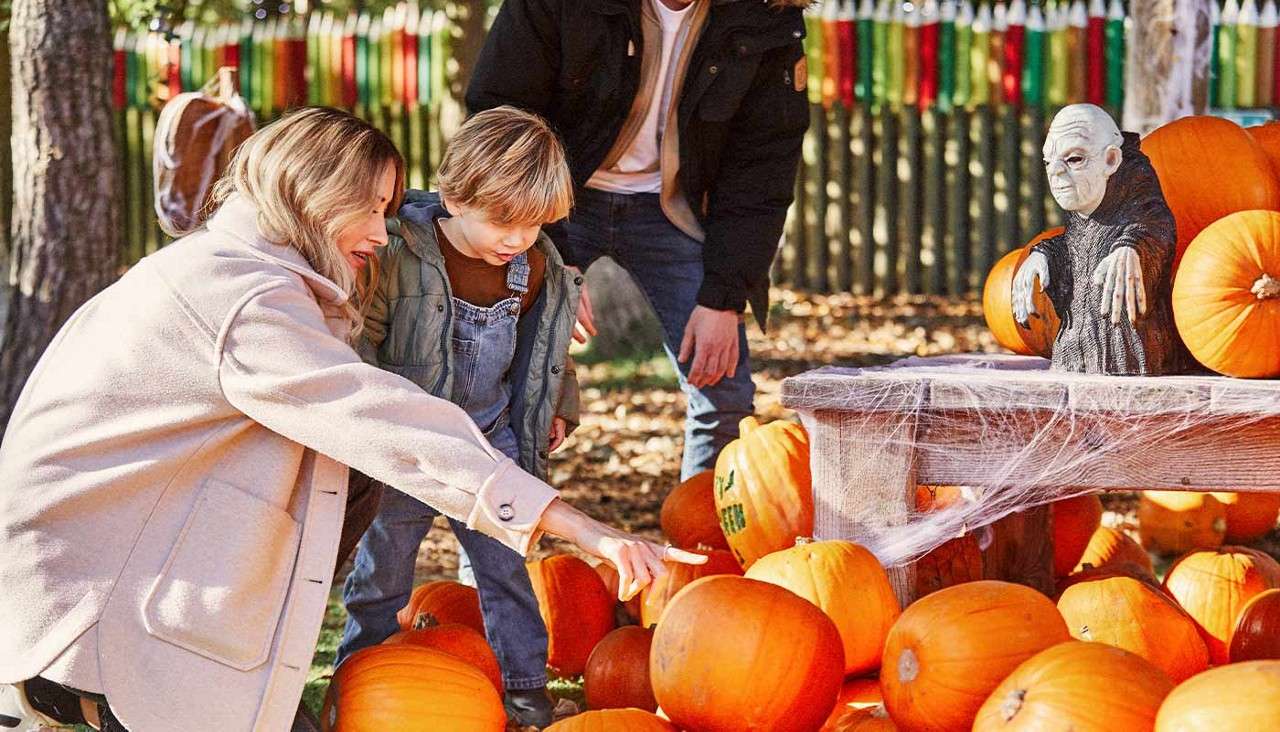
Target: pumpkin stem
x=1012, y=704
x=1266, y=288
x=422, y=621
x=908, y=665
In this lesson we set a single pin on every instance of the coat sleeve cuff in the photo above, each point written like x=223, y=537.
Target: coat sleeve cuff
x=717, y=295
x=509, y=507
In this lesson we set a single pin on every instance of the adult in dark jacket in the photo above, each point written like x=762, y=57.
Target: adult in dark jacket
x=683, y=122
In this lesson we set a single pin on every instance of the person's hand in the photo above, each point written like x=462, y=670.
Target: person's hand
x=1024, y=305
x=711, y=338
x=638, y=561
x=558, y=429
x=1120, y=276
x=585, y=328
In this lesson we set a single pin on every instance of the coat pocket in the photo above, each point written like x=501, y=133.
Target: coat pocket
x=222, y=588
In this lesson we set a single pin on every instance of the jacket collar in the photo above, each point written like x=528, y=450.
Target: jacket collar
x=238, y=217
x=421, y=209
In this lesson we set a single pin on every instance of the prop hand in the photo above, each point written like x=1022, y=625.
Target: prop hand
x=1120, y=276
x=1024, y=306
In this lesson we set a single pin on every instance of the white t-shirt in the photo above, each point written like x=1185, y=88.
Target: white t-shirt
x=637, y=170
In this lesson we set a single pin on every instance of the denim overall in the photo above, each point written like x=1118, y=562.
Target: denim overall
x=484, y=342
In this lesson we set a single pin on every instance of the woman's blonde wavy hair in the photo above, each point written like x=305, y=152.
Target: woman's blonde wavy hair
x=310, y=174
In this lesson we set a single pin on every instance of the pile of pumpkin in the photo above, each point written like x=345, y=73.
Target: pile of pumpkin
x=778, y=633
x=1222, y=183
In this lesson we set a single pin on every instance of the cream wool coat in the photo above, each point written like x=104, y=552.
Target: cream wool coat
x=173, y=482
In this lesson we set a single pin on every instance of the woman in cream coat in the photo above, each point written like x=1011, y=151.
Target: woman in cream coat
x=173, y=481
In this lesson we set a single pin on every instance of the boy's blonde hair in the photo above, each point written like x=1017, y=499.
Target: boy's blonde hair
x=509, y=165
x=310, y=174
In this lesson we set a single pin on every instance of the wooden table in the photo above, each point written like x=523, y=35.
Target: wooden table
x=1021, y=435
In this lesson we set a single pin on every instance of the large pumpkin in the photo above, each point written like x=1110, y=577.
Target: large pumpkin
x=440, y=603
x=689, y=517
x=1208, y=168
x=627, y=612
x=1214, y=586
x=764, y=494
x=576, y=608
x=1268, y=138
x=997, y=305
x=617, y=673
x=1175, y=522
x=658, y=594
x=459, y=641
x=1241, y=697
x=1250, y=515
x=950, y=650
x=1074, y=521
x=734, y=654
x=1226, y=300
x=1077, y=686
x=1110, y=546
x=858, y=693
x=1257, y=632
x=409, y=688
x=613, y=720
x=847, y=583
x=1128, y=613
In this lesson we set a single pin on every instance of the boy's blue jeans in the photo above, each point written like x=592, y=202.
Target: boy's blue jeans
x=666, y=263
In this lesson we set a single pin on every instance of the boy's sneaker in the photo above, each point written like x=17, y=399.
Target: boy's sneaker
x=529, y=707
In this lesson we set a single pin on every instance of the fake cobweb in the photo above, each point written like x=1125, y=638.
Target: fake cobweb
x=1016, y=435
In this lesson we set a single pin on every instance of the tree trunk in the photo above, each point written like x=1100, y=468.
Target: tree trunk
x=66, y=223
x=1168, y=62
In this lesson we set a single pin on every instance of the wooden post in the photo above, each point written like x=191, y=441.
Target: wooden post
x=959, y=240
x=1164, y=76
x=866, y=185
x=912, y=201
x=887, y=190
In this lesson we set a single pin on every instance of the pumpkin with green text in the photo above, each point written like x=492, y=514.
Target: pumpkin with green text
x=847, y=583
x=409, y=688
x=689, y=517
x=733, y=654
x=763, y=490
x=1128, y=613
x=1226, y=299
x=1214, y=586
x=1074, y=521
x=1077, y=686
x=576, y=608
x=613, y=720
x=1256, y=636
x=617, y=673
x=442, y=602
x=458, y=641
x=1241, y=697
x=1209, y=167
x=950, y=650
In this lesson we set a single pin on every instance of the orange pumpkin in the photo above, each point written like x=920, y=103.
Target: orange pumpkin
x=1074, y=521
x=613, y=720
x=1175, y=522
x=1257, y=633
x=1268, y=138
x=1250, y=515
x=733, y=653
x=997, y=305
x=617, y=673
x=1226, y=301
x=1241, y=697
x=1214, y=586
x=1077, y=686
x=576, y=608
x=958, y=560
x=1117, y=569
x=689, y=517
x=858, y=693
x=950, y=650
x=847, y=583
x=1128, y=613
x=1110, y=546
x=409, y=688
x=458, y=641
x=764, y=494
x=440, y=603
x=869, y=719
x=657, y=595
x=1208, y=168
x=629, y=610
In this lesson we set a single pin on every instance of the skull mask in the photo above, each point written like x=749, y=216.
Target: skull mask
x=1081, y=152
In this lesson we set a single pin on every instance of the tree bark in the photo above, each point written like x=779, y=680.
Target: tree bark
x=65, y=231
x=1168, y=62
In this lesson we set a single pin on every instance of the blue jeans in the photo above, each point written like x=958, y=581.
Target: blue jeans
x=666, y=263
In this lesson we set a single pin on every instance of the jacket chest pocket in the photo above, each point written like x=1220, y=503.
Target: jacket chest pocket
x=725, y=85
x=221, y=591
x=414, y=337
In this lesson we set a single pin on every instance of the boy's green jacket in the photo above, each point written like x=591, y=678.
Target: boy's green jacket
x=410, y=322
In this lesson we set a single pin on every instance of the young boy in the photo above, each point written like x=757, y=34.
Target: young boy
x=473, y=304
